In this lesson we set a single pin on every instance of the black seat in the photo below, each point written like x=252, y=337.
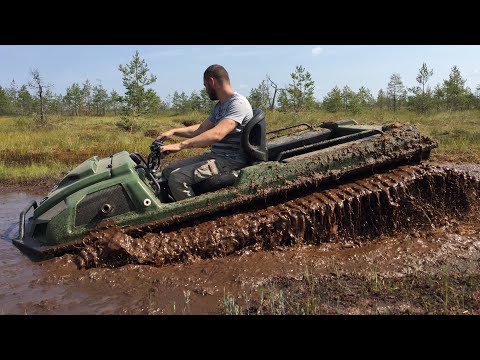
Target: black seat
x=255, y=145
x=254, y=137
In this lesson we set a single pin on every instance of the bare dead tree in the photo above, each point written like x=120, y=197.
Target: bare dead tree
x=39, y=86
x=274, y=93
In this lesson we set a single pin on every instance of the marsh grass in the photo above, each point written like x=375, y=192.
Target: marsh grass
x=416, y=293
x=229, y=304
x=32, y=153
x=29, y=152
x=458, y=133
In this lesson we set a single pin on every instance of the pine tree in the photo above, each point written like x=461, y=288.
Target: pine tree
x=99, y=99
x=298, y=96
x=135, y=80
x=333, y=101
x=25, y=101
x=381, y=99
x=454, y=90
x=395, y=90
x=422, y=99
x=260, y=96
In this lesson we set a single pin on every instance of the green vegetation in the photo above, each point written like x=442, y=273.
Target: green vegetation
x=137, y=101
x=297, y=96
x=415, y=293
x=87, y=121
x=32, y=153
x=457, y=132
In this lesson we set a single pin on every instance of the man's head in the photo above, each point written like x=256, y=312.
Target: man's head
x=214, y=78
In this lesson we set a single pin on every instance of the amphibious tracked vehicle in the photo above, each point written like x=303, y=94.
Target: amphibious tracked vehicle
x=128, y=190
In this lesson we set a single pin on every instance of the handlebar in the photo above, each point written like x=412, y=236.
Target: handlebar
x=153, y=160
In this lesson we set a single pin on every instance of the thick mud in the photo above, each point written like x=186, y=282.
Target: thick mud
x=402, y=242
x=404, y=198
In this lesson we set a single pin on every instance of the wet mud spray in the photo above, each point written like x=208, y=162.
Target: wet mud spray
x=404, y=198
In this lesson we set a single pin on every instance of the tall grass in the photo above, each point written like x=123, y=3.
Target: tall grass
x=29, y=152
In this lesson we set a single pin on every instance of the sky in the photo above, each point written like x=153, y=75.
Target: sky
x=180, y=68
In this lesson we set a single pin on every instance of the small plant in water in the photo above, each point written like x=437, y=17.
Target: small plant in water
x=281, y=308
x=229, y=305
x=262, y=299
x=312, y=301
x=186, y=295
x=246, y=298
x=445, y=282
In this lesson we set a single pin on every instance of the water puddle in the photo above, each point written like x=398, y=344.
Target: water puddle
x=352, y=244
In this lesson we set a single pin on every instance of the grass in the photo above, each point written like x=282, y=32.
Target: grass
x=445, y=291
x=230, y=305
x=418, y=293
x=31, y=153
x=458, y=133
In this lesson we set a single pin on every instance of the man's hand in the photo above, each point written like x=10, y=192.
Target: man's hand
x=171, y=148
x=166, y=135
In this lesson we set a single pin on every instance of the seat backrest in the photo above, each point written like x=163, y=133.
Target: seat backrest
x=254, y=137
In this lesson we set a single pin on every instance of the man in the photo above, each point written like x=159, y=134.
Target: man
x=221, y=130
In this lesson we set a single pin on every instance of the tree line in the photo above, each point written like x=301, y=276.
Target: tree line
x=451, y=95
x=94, y=100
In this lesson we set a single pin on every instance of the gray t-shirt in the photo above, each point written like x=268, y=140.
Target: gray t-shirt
x=236, y=108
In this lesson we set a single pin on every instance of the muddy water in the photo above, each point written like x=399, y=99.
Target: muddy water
x=17, y=272
x=445, y=235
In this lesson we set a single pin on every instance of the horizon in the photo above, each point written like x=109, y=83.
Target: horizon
x=370, y=66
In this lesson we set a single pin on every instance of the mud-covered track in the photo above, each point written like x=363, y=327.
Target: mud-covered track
x=403, y=198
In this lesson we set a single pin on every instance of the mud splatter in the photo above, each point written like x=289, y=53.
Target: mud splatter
x=404, y=198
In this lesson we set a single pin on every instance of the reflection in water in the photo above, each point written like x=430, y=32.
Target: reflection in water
x=17, y=270
x=11, y=204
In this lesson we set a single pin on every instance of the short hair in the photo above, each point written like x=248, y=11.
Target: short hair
x=218, y=72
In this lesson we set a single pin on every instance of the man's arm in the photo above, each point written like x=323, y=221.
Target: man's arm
x=206, y=138
x=187, y=132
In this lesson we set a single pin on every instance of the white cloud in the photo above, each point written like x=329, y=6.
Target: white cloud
x=476, y=72
x=317, y=50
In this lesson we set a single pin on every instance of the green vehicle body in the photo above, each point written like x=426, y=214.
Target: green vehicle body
x=115, y=188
